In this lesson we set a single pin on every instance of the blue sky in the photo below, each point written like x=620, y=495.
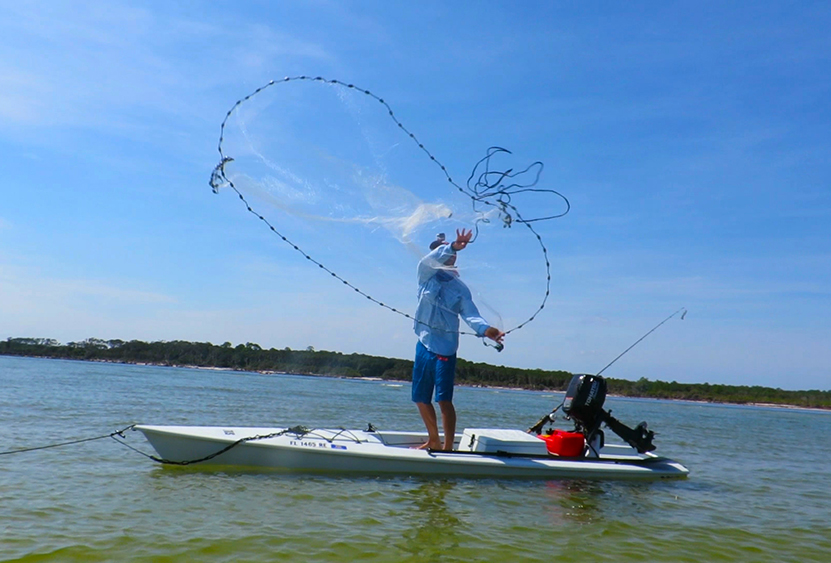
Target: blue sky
x=691, y=139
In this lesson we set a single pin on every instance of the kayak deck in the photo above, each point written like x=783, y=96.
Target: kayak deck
x=390, y=452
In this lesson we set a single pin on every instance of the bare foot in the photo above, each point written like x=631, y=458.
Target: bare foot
x=429, y=446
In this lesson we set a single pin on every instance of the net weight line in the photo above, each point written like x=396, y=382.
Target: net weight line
x=491, y=196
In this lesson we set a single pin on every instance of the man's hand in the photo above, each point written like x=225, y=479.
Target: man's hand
x=495, y=334
x=462, y=238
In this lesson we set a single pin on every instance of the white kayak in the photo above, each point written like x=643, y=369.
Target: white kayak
x=478, y=452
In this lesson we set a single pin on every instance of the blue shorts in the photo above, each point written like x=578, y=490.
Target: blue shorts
x=431, y=371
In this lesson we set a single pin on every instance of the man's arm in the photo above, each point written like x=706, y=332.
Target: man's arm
x=469, y=311
x=470, y=314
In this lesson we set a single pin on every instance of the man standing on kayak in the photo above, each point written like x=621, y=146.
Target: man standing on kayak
x=442, y=298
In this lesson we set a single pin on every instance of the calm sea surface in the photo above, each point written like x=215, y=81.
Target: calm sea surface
x=758, y=489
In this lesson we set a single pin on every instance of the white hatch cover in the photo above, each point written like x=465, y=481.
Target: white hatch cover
x=493, y=440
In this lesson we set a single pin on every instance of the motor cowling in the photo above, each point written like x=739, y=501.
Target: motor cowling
x=584, y=400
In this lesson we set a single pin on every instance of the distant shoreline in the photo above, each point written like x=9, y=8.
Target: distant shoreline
x=405, y=382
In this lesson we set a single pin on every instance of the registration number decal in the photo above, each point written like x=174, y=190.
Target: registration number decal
x=311, y=444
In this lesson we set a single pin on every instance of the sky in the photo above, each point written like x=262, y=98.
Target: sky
x=691, y=139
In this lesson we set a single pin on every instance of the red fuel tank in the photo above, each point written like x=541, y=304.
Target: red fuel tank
x=565, y=444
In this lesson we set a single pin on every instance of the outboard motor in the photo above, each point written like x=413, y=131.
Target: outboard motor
x=583, y=404
x=584, y=400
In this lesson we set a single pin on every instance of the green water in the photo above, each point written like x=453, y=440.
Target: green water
x=758, y=489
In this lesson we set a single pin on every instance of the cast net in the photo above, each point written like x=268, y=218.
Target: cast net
x=330, y=169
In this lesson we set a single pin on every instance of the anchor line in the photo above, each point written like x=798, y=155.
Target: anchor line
x=71, y=442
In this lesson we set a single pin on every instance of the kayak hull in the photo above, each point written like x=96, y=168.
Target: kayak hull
x=393, y=453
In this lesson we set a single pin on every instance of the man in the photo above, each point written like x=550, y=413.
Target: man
x=442, y=298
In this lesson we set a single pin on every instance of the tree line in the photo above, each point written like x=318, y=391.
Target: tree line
x=252, y=357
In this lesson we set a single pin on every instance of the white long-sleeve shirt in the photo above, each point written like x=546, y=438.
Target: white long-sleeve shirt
x=442, y=298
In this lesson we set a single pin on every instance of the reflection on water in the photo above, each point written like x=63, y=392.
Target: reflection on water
x=433, y=529
x=594, y=502
x=572, y=501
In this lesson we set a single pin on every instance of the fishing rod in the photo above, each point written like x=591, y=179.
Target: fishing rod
x=684, y=314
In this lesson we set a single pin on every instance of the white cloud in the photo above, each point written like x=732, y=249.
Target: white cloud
x=31, y=302
x=85, y=65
